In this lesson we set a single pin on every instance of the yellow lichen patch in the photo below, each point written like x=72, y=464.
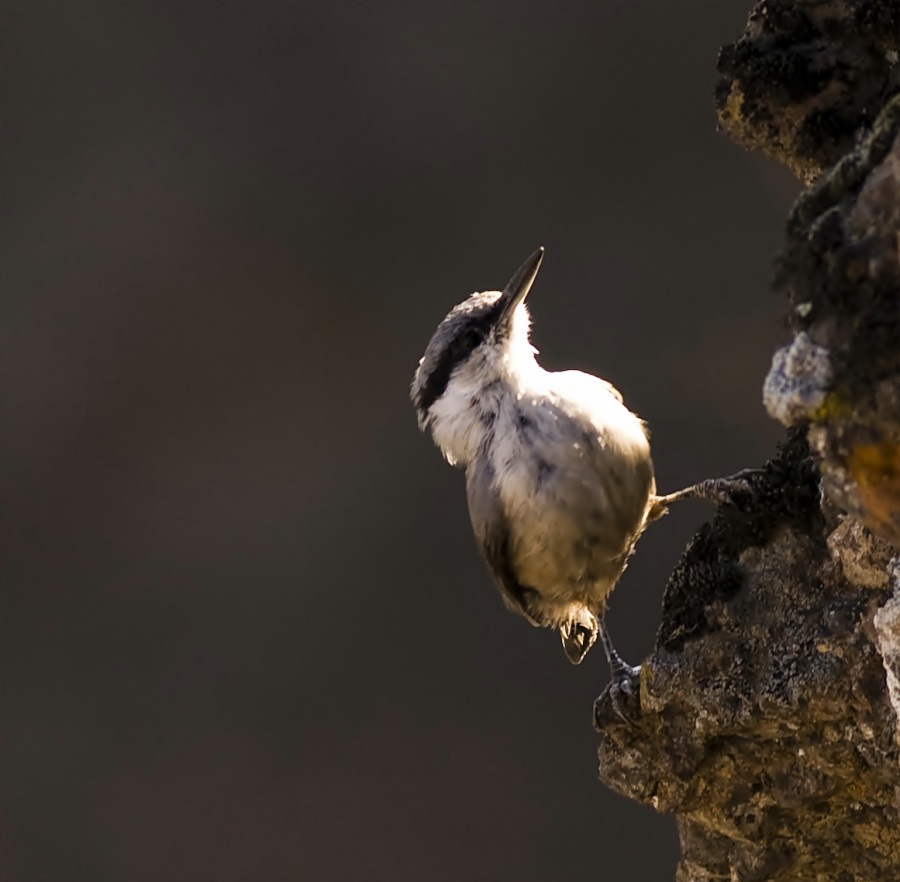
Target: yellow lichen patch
x=875, y=463
x=871, y=835
x=832, y=407
x=875, y=468
x=733, y=103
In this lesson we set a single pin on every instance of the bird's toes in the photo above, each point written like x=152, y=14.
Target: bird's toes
x=621, y=694
x=733, y=490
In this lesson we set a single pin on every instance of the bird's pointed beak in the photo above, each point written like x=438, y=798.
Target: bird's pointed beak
x=519, y=285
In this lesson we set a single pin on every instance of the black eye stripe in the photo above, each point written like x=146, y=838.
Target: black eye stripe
x=470, y=337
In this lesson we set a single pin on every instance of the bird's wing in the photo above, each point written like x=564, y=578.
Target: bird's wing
x=492, y=535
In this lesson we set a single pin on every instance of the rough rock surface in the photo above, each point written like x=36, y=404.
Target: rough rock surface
x=807, y=76
x=841, y=272
x=764, y=722
x=766, y=719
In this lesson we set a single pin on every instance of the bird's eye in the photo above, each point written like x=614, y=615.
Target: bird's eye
x=472, y=338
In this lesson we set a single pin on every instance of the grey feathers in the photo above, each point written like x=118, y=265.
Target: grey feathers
x=492, y=535
x=558, y=472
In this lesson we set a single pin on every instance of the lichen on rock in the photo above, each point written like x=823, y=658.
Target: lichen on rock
x=807, y=76
x=764, y=724
x=841, y=264
x=766, y=719
x=798, y=381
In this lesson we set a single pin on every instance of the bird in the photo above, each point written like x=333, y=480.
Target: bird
x=559, y=477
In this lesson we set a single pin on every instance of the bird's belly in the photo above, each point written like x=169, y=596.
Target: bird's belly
x=568, y=548
x=562, y=564
x=574, y=497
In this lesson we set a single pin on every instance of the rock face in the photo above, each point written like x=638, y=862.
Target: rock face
x=807, y=76
x=766, y=720
x=841, y=272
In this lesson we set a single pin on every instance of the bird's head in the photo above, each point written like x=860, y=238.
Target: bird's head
x=473, y=344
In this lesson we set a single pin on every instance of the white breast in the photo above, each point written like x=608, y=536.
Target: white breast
x=572, y=466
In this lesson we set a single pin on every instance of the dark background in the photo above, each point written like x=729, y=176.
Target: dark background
x=246, y=633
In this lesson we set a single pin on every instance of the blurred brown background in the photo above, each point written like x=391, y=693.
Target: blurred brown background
x=246, y=633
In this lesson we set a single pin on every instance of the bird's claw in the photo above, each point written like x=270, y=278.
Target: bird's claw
x=733, y=490
x=625, y=683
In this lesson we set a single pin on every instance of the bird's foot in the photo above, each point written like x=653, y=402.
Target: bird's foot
x=734, y=490
x=622, y=689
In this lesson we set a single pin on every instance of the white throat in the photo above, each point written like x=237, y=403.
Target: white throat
x=492, y=378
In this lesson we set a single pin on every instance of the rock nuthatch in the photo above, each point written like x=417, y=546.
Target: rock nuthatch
x=559, y=478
